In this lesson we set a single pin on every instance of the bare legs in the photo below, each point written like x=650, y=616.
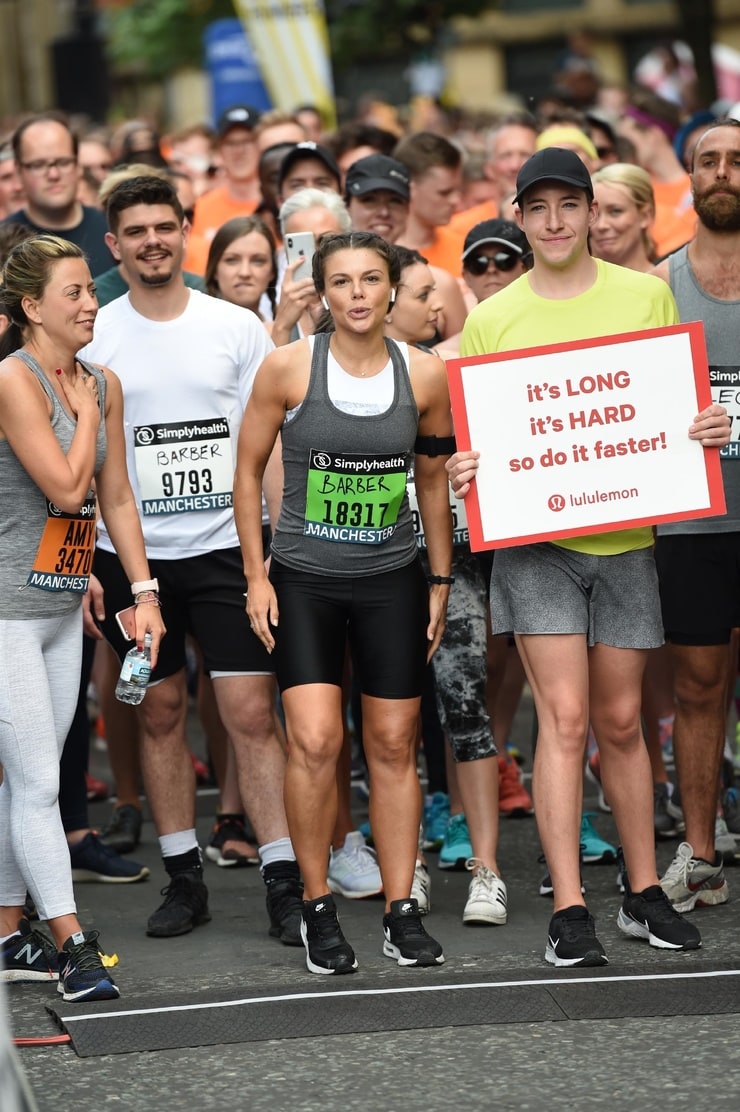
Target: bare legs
x=570, y=682
x=314, y=721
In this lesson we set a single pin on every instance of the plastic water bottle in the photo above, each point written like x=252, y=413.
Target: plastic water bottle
x=135, y=673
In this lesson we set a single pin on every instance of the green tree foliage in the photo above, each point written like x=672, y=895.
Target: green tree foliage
x=367, y=29
x=158, y=37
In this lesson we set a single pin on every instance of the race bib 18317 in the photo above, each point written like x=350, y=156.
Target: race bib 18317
x=354, y=498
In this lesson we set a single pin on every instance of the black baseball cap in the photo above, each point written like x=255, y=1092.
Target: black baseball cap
x=505, y=232
x=302, y=151
x=239, y=115
x=377, y=171
x=553, y=164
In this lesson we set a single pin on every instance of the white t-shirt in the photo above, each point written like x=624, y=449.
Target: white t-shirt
x=185, y=384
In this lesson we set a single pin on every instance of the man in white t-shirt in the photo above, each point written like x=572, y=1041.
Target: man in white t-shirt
x=186, y=363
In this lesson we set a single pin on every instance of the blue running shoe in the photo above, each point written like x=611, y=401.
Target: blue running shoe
x=594, y=850
x=28, y=955
x=436, y=817
x=93, y=860
x=456, y=848
x=82, y=975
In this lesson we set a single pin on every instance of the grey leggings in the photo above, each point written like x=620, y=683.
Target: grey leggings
x=41, y=674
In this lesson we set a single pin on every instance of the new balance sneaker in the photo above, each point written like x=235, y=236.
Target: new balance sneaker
x=123, y=832
x=691, y=882
x=92, y=860
x=594, y=850
x=421, y=888
x=284, y=898
x=28, y=955
x=230, y=828
x=650, y=915
x=664, y=824
x=546, y=888
x=327, y=950
x=82, y=975
x=405, y=939
x=185, y=906
x=572, y=939
x=486, y=903
x=513, y=798
x=456, y=847
x=436, y=817
x=593, y=773
x=353, y=869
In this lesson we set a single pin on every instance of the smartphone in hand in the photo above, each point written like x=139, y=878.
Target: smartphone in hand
x=300, y=245
x=126, y=620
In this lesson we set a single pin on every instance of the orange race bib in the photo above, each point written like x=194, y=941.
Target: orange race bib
x=64, y=557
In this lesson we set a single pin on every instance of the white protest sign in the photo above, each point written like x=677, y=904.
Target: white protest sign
x=586, y=437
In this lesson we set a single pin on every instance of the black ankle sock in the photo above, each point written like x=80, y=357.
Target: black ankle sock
x=190, y=862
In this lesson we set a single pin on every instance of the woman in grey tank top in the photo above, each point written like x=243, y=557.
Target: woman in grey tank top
x=52, y=443
x=345, y=574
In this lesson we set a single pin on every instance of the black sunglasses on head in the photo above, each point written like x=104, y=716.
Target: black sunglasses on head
x=479, y=264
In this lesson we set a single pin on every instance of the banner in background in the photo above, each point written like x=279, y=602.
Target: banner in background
x=232, y=67
x=291, y=42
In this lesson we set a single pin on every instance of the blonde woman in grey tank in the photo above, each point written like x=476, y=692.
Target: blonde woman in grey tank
x=61, y=437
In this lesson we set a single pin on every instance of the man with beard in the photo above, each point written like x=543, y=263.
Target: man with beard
x=699, y=561
x=186, y=363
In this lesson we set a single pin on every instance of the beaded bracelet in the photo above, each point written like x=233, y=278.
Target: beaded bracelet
x=147, y=597
x=449, y=579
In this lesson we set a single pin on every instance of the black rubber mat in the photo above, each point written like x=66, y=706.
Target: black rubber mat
x=107, y=1029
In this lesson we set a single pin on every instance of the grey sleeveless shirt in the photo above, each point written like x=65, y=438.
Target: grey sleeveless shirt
x=345, y=511
x=25, y=513
x=722, y=330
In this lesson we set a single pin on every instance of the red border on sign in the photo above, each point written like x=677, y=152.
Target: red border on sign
x=695, y=332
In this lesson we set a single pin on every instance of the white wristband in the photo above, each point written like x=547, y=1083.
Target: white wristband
x=144, y=585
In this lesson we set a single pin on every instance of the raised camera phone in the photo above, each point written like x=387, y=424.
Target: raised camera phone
x=300, y=245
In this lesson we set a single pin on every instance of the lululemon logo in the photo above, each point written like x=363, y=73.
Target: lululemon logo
x=556, y=503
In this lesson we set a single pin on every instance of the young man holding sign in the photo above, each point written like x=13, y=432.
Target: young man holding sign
x=584, y=610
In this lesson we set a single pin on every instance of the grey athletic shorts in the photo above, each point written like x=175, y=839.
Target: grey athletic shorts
x=544, y=588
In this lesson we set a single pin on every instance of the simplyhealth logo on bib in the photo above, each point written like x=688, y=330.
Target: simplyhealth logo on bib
x=65, y=553
x=184, y=466
x=354, y=498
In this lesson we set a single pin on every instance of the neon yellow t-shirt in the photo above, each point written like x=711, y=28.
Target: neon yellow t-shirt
x=620, y=300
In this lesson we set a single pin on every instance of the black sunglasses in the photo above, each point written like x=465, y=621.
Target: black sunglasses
x=479, y=264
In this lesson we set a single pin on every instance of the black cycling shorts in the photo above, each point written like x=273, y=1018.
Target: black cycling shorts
x=200, y=595
x=383, y=618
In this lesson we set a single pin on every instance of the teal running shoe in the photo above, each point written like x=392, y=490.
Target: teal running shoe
x=594, y=850
x=456, y=848
x=436, y=817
